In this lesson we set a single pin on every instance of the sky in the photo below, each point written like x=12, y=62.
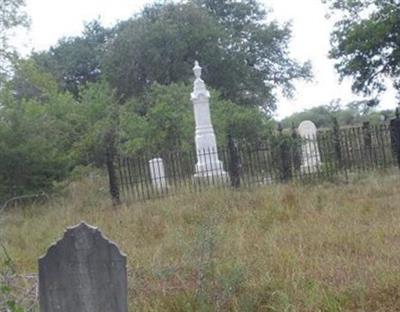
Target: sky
x=54, y=19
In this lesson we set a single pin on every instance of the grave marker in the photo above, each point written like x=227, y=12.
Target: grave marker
x=157, y=173
x=208, y=163
x=83, y=272
x=311, y=158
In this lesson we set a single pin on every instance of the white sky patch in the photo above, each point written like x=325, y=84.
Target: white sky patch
x=311, y=41
x=54, y=19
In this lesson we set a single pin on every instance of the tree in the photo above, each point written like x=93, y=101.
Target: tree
x=169, y=124
x=366, y=43
x=353, y=114
x=257, y=52
x=75, y=61
x=244, y=57
x=11, y=17
x=46, y=134
x=99, y=118
x=320, y=115
x=35, y=136
x=160, y=46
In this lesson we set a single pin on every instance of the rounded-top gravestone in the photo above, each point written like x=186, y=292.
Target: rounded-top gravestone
x=311, y=158
x=83, y=272
x=307, y=129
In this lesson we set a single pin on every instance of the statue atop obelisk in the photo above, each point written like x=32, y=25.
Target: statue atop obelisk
x=208, y=163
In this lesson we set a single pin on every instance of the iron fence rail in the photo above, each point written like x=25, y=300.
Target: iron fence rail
x=285, y=157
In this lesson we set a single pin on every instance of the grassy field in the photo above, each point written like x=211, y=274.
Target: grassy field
x=319, y=247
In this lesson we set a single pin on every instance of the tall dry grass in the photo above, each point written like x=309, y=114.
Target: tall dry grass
x=319, y=247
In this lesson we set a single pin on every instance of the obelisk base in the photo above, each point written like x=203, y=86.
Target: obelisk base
x=205, y=170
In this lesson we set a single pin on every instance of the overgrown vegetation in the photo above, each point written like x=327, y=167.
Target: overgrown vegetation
x=7, y=271
x=129, y=86
x=118, y=89
x=354, y=113
x=283, y=248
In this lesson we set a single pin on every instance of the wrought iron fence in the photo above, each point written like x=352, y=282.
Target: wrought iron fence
x=330, y=154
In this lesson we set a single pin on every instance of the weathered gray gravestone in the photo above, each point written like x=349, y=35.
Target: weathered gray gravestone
x=83, y=272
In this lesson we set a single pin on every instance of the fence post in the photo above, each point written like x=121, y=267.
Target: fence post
x=284, y=155
x=112, y=174
x=395, y=135
x=336, y=142
x=234, y=164
x=367, y=141
x=296, y=149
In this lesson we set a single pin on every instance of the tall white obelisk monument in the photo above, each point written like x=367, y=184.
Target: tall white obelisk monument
x=208, y=163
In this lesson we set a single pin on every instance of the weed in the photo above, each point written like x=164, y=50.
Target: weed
x=316, y=247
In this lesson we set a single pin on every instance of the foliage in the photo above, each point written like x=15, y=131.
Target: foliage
x=12, y=16
x=75, y=61
x=245, y=59
x=245, y=124
x=244, y=54
x=274, y=248
x=162, y=120
x=32, y=142
x=285, y=154
x=159, y=46
x=7, y=270
x=43, y=136
x=320, y=115
x=45, y=133
x=354, y=113
x=257, y=55
x=130, y=86
x=98, y=111
x=366, y=42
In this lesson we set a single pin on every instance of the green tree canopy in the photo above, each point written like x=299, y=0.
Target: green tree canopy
x=35, y=135
x=75, y=61
x=244, y=53
x=245, y=56
x=45, y=136
x=366, y=42
x=130, y=85
x=169, y=124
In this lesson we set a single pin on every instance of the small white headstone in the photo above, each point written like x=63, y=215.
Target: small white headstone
x=157, y=173
x=310, y=154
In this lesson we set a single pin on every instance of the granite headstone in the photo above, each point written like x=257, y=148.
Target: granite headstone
x=83, y=272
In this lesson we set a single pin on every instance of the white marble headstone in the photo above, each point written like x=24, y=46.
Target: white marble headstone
x=311, y=158
x=157, y=173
